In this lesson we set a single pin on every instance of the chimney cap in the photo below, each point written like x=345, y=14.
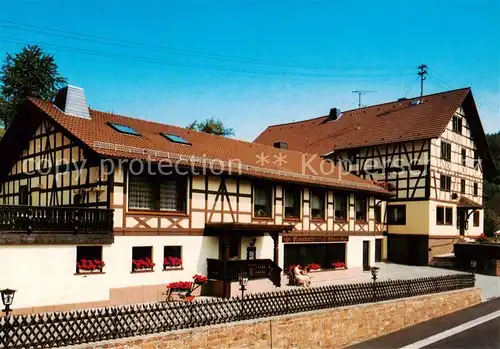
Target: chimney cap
x=72, y=101
x=334, y=114
x=281, y=145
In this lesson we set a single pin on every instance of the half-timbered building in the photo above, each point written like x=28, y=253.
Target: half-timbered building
x=98, y=208
x=431, y=151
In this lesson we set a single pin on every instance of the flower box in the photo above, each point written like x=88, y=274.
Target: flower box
x=339, y=265
x=170, y=262
x=313, y=267
x=89, y=266
x=142, y=265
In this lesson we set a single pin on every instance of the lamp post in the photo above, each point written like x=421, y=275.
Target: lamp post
x=7, y=299
x=243, y=279
x=473, y=265
x=374, y=272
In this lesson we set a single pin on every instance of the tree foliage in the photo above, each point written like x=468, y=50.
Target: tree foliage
x=213, y=126
x=29, y=73
x=492, y=189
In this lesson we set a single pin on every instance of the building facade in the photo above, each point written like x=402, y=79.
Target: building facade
x=432, y=154
x=98, y=209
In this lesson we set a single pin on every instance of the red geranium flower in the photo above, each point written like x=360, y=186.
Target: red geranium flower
x=200, y=279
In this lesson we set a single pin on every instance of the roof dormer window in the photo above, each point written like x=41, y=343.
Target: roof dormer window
x=175, y=138
x=124, y=129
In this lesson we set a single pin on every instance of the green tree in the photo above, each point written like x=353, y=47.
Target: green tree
x=29, y=73
x=492, y=189
x=213, y=126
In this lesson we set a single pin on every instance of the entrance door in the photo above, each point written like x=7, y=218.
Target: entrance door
x=366, y=255
x=234, y=247
x=461, y=222
x=378, y=250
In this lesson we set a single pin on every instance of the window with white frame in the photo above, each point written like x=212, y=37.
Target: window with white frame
x=262, y=202
x=317, y=204
x=157, y=193
x=292, y=202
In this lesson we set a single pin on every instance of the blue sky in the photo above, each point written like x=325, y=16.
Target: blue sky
x=255, y=63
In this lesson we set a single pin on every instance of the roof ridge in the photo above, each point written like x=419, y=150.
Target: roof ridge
x=252, y=144
x=371, y=106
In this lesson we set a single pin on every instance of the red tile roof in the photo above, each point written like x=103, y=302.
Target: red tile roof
x=378, y=124
x=465, y=202
x=97, y=135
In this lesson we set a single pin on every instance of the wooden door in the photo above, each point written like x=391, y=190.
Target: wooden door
x=366, y=255
x=378, y=250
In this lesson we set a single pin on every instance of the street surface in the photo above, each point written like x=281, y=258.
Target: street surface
x=475, y=328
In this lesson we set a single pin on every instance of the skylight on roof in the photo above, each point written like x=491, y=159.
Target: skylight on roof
x=124, y=129
x=175, y=138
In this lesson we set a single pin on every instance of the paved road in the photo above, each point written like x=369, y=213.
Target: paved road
x=477, y=327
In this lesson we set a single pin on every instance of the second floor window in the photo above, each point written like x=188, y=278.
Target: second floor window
x=464, y=157
x=317, y=204
x=292, y=202
x=361, y=207
x=462, y=186
x=446, y=151
x=476, y=160
x=340, y=207
x=457, y=124
x=476, y=189
x=378, y=213
x=157, y=193
x=262, y=201
x=445, y=183
x=396, y=214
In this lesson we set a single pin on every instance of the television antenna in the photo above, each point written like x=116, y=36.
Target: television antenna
x=361, y=93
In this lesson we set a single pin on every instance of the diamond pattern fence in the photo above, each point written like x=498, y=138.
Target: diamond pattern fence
x=78, y=327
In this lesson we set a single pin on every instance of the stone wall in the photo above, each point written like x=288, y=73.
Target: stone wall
x=329, y=328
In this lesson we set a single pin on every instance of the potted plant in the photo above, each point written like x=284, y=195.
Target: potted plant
x=313, y=267
x=182, y=290
x=89, y=266
x=339, y=265
x=170, y=262
x=143, y=264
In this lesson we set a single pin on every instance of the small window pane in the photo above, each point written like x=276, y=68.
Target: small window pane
x=476, y=218
x=449, y=216
x=292, y=203
x=440, y=215
x=172, y=195
x=360, y=203
x=124, y=129
x=172, y=257
x=262, y=200
x=396, y=214
x=175, y=138
x=89, y=258
x=340, y=207
x=141, y=193
x=317, y=204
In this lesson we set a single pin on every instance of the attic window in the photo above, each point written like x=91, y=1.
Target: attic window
x=175, y=138
x=124, y=129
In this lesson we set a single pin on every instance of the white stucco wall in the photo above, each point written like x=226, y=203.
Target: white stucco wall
x=44, y=275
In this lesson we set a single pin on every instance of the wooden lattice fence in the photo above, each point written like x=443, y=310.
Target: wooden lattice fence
x=77, y=327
